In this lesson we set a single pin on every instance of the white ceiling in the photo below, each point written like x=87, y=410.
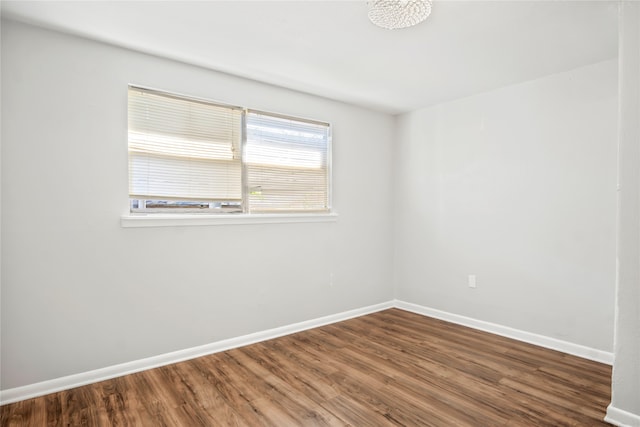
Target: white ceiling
x=329, y=48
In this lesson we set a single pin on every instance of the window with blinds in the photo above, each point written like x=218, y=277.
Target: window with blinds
x=286, y=163
x=188, y=155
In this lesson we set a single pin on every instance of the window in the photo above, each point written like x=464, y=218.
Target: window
x=193, y=156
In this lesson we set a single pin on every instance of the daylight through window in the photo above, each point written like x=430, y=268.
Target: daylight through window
x=192, y=156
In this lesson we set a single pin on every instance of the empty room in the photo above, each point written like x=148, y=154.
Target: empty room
x=338, y=213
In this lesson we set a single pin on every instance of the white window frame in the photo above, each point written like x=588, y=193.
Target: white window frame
x=199, y=217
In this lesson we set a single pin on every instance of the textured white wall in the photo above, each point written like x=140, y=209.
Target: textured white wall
x=625, y=402
x=80, y=293
x=516, y=186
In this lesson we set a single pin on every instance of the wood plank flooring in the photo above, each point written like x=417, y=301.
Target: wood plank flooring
x=390, y=368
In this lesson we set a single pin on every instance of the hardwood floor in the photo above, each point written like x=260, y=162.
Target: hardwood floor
x=384, y=369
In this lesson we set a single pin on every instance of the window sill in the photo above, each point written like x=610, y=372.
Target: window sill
x=182, y=220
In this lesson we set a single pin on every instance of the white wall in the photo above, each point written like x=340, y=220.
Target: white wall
x=625, y=401
x=516, y=186
x=80, y=293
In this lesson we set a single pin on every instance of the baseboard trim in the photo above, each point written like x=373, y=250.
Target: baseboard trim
x=528, y=337
x=64, y=383
x=621, y=418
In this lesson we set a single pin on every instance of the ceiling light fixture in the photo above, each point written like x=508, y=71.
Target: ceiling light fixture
x=394, y=14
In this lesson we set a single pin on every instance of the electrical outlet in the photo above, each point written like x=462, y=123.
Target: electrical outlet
x=472, y=280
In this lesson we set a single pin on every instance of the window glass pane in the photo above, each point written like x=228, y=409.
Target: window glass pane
x=182, y=149
x=287, y=164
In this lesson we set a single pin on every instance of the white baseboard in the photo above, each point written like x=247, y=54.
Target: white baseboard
x=84, y=378
x=64, y=383
x=621, y=418
x=528, y=337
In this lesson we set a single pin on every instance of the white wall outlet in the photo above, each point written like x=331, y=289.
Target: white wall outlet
x=472, y=280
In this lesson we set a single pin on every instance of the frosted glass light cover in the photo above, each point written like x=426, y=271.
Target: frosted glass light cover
x=395, y=14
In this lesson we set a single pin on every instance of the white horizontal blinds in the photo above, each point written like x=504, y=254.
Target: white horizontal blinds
x=183, y=149
x=286, y=161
